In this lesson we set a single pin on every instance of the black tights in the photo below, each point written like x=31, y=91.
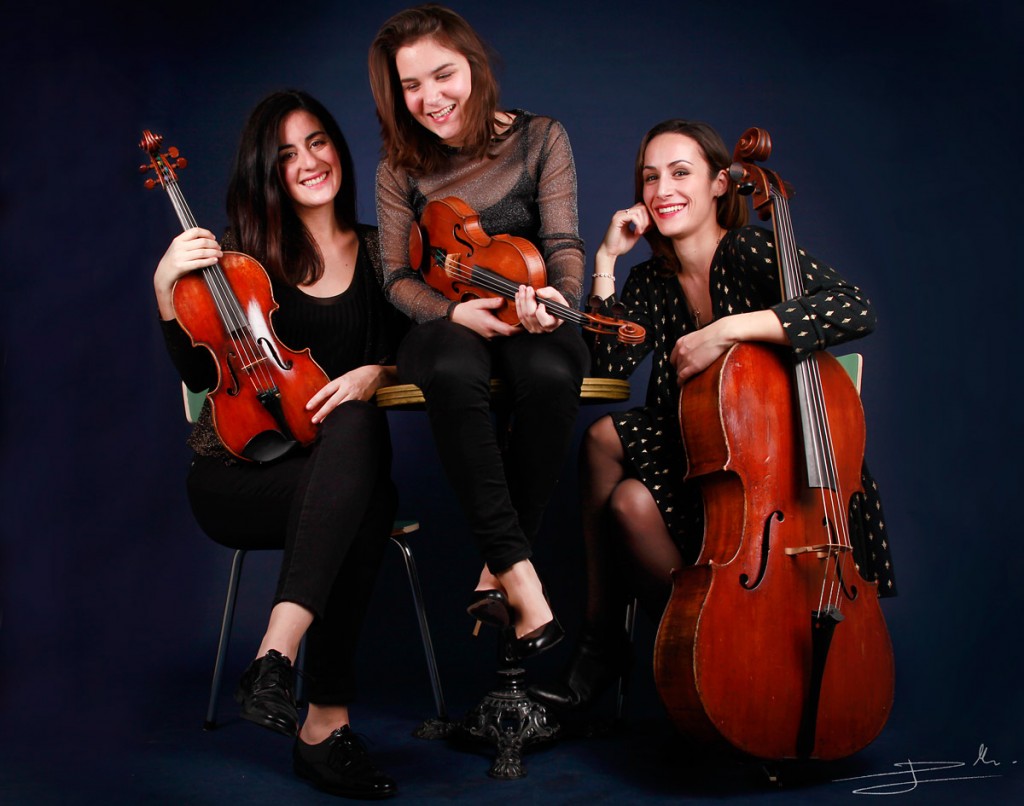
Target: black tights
x=628, y=547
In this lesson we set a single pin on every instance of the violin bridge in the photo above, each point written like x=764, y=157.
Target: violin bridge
x=452, y=266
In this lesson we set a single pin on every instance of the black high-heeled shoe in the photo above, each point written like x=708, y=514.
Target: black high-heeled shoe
x=490, y=607
x=597, y=661
x=513, y=650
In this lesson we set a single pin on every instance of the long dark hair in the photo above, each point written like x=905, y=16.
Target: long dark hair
x=406, y=144
x=731, y=210
x=262, y=216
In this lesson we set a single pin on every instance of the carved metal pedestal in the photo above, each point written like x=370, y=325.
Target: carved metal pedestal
x=510, y=720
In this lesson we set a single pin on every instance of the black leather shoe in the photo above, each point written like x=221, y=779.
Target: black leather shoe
x=266, y=693
x=514, y=650
x=340, y=765
x=490, y=607
x=596, y=662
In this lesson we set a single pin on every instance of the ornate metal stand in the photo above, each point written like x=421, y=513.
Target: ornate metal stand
x=510, y=720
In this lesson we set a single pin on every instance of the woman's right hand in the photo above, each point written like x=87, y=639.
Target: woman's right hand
x=626, y=228
x=194, y=249
x=478, y=316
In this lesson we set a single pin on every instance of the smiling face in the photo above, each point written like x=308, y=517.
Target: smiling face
x=678, y=188
x=309, y=165
x=436, y=83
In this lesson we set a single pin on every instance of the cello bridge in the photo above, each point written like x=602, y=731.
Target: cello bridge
x=821, y=551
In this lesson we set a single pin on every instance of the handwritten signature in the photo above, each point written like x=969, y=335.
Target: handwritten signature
x=913, y=773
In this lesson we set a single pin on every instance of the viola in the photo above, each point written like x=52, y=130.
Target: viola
x=449, y=247
x=772, y=643
x=259, y=402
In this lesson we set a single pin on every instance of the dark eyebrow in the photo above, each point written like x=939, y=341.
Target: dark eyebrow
x=674, y=162
x=308, y=137
x=433, y=72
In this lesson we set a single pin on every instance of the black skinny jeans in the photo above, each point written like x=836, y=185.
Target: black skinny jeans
x=331, y=507
x=502, y=497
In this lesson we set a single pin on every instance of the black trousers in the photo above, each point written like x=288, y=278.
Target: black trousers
x=503, y=496
x=332, y=507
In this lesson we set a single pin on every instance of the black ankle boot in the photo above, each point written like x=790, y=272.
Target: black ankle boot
x=266, y=693
x=340, y=765
x=596, y=662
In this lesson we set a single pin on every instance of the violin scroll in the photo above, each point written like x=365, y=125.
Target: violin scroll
x=162, y=165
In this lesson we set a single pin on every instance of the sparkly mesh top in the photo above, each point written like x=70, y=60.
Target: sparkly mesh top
x=526, y=188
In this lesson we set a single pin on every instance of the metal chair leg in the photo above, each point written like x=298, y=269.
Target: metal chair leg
x=428, y=646
x=225, y=637
x=620, y=697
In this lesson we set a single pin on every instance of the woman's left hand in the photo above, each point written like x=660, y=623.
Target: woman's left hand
x=696, y=351
x=531, y=311
x=358, y=384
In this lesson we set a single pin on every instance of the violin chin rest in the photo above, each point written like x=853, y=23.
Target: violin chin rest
x=267, y=446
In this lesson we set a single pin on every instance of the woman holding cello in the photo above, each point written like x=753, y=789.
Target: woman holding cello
x=711, y=282
x=445, y=136
x=291, y=204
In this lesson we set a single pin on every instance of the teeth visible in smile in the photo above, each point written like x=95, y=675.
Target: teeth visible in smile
x=314, y=181
x=672, y=208
x=441, y=112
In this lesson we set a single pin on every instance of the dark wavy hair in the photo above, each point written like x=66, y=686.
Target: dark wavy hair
x=731, y=209
x=263, y=218
x=405, y=143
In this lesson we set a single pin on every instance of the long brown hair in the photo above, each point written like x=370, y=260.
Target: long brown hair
x=263, y=218
x=731, y=211
x=407, y=144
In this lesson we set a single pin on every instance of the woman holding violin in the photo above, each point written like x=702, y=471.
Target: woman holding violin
x=445, y=136
x=711, y=282
x=291, y=205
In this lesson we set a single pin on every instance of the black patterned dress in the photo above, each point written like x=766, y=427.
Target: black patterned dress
x=744, y=278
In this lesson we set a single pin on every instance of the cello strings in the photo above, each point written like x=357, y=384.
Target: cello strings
x=812, y=399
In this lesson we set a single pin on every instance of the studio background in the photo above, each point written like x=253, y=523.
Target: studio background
x=898, y=126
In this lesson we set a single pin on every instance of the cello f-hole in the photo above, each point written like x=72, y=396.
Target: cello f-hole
x=766, y=542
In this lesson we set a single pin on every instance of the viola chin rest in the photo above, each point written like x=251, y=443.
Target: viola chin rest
x=267, y=446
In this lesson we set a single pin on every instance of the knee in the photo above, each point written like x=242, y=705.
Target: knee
x=600, y=443
x=632, y=503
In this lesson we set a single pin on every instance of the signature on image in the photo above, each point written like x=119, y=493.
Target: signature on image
x=911, y=774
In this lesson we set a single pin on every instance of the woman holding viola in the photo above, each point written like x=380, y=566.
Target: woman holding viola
x=291, y=204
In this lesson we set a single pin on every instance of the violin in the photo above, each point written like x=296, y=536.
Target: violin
x=773, y=643
x=449, y=247
x=259, y=402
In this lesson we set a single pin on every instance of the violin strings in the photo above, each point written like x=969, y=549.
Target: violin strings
x=492, y=281
x=823, y=450
x=228, y=308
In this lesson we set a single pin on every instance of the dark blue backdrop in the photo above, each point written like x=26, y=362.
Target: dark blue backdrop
x=895, y=122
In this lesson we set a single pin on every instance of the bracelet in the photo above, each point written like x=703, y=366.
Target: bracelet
x=602, y=274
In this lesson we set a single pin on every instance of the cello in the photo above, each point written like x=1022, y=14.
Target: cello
x=455, y=256
x=259, y=403
x=773, y=644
